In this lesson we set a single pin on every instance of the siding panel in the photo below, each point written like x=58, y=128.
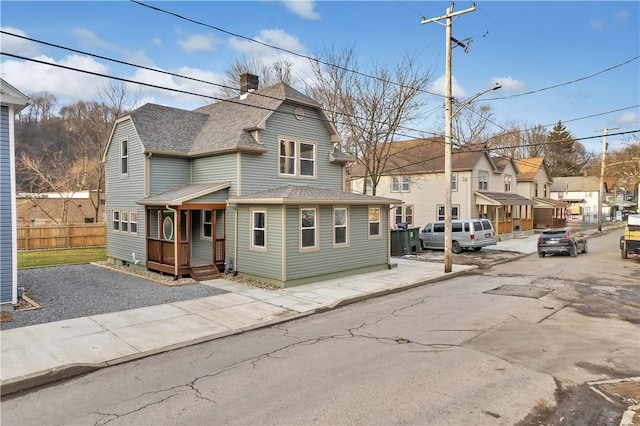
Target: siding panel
x=7, y=220
x=167, y=173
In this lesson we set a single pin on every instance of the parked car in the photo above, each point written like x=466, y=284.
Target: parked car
x=465, y=234
x=561, y=240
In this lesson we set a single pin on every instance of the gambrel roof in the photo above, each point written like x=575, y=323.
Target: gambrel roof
x=224, y=126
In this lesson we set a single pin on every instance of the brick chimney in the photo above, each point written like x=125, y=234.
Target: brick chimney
x=248, y=83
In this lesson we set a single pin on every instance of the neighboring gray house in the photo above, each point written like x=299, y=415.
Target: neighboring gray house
x=582, y=195
x=12, y=101
x=254, y=182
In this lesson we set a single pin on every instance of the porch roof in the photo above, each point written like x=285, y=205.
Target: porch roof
x=548, y=203
x=299, y=194
x=177, y=196
x=501, y=199
x=574, y=200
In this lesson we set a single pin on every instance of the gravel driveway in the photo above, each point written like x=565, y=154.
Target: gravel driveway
x=66, y=292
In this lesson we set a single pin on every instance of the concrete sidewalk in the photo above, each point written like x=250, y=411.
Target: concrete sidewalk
x=43, y=353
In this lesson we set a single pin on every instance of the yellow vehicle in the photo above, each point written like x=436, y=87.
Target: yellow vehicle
x=630, y=241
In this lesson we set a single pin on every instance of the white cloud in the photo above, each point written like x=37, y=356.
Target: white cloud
x=199, y=43
x=138, y=57
x=157, y=41
x=274, y=37
x=88, y=39
x=66, y=85
x=508, y=83
x=621, y=16
x=302, y=8
x=18, y=46
x=440, y=87
x=596, y=25
x=628, y=119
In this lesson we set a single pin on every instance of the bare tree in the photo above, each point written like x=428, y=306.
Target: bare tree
x=368, y=110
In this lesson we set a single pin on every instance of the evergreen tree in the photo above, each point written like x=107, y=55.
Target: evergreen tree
x=564, y=155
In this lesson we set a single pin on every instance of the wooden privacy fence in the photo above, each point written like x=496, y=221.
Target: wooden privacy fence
x=61, y=236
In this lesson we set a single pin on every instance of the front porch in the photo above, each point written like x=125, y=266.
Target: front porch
x=510, y=213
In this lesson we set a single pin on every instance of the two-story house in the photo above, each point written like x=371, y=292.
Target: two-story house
x=11, y=102
x=582, y=195
x=534, y=183
x=481, y=185
x=254, y=184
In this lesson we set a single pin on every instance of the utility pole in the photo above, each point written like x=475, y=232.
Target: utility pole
x=601, y=187
x=447, y=133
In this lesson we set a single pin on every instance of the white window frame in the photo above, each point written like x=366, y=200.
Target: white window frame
x=483, y=180
x=206, y=224
x=400, y=214
x=124, y=221
x=455, y=212
x=370, y=222
x=133, y=222
x=395, y=184
x=124, y=157
x=296, y=158
x=406, y=184
x=116, y=220
x=398, y=185
x=315, y=227
x=255, y=228
x=454, y=181
x=344, y=243
x=508, y=183
x=369, y=184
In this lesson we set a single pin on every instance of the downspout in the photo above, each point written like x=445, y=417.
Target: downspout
x=175, y=240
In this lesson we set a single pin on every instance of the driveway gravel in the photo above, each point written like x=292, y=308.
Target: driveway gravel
x=73, y=291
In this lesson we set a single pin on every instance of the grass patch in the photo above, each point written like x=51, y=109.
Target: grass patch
x=39, y=258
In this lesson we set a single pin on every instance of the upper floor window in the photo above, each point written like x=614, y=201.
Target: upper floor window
x=297, y=158
x=308, y=228
x=535, y=189
x=483, y=180
x=374, y=222
x=454, y=181
x=340, y=226
x=544, y=190
x=124, y=158
x=369, y=183
x=400, y=184
x=507, y=183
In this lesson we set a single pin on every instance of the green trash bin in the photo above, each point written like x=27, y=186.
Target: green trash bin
x=405, y=241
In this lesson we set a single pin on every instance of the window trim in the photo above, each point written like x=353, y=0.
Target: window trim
x=483, y=178
x=401, y=183
x=115, y=220
x=133, y=222
x=124, y=219
x=346, y=227
x=379, y=222
x=454, y=181
x=297, y=158
x=124, y=157
x=508, y=183
x=204, y=223
x=252, y=241
x=316, y=226
x=440, y=216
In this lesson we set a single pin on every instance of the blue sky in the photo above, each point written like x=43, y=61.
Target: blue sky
x=526, y=46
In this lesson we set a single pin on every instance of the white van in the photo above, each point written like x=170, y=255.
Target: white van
x=465, y=234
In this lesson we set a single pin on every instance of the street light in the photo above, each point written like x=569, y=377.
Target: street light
x=449, y=114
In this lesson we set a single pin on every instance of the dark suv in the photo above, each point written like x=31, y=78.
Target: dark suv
x=560, y=241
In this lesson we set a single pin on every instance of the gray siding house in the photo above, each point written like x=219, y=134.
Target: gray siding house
x=11, y=102
x=254, y=184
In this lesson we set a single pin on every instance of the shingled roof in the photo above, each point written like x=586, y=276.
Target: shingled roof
x=425, y=156
x=529, y=167
x=220, y=127
x=300, y=194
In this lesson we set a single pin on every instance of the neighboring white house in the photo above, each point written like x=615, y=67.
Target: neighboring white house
x=11, y=101
x=481, y=185
x=581, y=193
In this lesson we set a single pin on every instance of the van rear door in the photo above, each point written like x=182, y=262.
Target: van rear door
x=484, y=232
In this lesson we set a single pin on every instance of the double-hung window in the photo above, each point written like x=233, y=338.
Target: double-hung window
x=308, y=228
x=207, y=224
x=400, y=184
x=258, y=229
x=507, y=183
x=404, y=213
x=133, y=222
x=116, y=220
x=124, y=158
x=455, y=212
x=297, y=158
x=374, y=222
x=483, y=180
x=340, y=226
x=454, y=181
x=125, y=222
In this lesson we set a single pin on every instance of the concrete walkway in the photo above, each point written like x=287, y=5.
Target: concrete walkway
x=43, y=353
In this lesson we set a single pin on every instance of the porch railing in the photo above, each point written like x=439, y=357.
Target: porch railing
x=162, y=251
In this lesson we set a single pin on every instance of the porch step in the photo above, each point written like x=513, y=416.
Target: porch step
x=203, y=273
